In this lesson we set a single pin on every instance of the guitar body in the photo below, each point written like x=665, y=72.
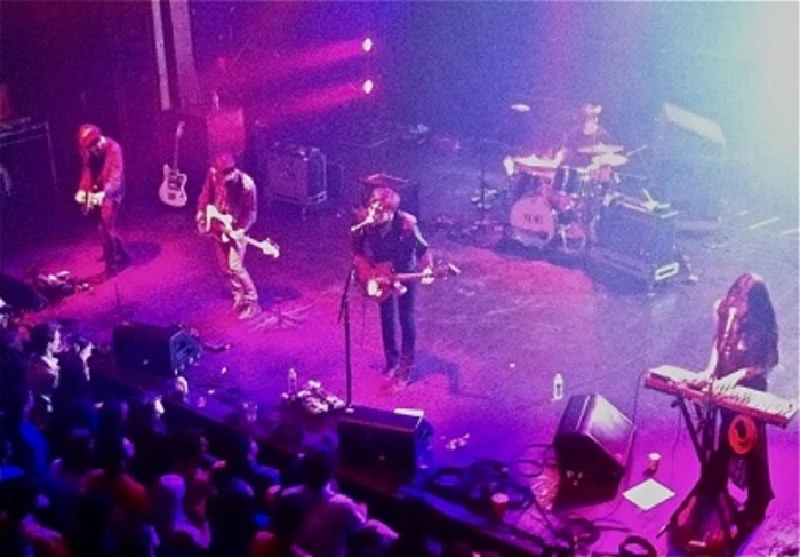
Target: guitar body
x=173, y=188
x=379, y=282
x=220, y=225
x=376, y=281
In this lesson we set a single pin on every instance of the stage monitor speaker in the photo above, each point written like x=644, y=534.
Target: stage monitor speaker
x=379, y=442
x=593, y=441
x=153, y=349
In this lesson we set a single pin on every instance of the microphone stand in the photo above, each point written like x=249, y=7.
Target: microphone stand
x=344, y=315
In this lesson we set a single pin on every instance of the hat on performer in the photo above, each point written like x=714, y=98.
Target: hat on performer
x=88, y=135
x=223, y=162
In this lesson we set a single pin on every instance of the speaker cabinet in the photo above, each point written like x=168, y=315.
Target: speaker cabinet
x=384, y=443
x=153, y=349
x=295, y=175
x=593, y=441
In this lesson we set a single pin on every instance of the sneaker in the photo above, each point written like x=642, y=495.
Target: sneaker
x=249, y=311
x=401, y=377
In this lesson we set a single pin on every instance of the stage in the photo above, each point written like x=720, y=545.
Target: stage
x=489, y=341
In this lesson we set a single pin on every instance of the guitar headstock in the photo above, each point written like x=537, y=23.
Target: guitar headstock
x=268, y=247
x=444, y=270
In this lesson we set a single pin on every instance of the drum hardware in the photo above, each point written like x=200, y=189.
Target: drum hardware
x=600, y=149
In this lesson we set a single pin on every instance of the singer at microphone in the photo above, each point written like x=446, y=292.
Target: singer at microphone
x=386, y=236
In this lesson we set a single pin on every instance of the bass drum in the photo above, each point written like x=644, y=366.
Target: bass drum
x=532, y=222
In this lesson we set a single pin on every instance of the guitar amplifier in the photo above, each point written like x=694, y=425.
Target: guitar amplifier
x=296, y=174
x=153, y=349
x=636, y=241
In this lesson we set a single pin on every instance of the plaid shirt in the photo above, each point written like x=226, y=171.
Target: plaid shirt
x=237, y=199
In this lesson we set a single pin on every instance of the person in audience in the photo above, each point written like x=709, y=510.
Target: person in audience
x=129, y=496
x=233, y=516
x=181, y=530
x=43, y=362
x=29, y=447
x=65, y=480
x=152, y=456
x=331, y=519
x=288, y=519
x=243, y=464
x=73, y=406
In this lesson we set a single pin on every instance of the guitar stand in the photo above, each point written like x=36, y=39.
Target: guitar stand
x=706, y=487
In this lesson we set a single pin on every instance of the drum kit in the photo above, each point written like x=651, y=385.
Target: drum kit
x=556, y=205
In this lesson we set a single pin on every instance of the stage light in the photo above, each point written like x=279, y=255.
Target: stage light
x=367, y=45
x=368, y=86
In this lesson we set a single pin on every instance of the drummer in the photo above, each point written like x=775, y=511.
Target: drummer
x=586, y=140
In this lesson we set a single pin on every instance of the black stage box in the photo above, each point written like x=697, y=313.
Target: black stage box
x=384, y=443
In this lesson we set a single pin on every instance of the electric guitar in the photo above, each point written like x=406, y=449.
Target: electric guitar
x=173, y=189
x=205, y=225
x=90, y=199
x=379, y=282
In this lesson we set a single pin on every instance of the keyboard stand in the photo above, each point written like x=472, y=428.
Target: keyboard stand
x=709, y=490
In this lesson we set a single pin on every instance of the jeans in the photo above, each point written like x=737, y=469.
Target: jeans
x=230, y=256
x=113, y=253
x=408, y=328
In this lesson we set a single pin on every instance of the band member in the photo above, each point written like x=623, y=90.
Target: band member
x=233, y=193
x=587, y=135
x=393, y=236
x=101, y=190
x=744, y=350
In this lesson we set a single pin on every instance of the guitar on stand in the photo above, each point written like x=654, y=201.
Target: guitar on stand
x=224, y=230
x=173, y=188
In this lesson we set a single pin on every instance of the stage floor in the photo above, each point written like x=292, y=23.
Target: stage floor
x=490, y=341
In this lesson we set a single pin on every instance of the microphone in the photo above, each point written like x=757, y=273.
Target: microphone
x=729, y=323
x=366, y=222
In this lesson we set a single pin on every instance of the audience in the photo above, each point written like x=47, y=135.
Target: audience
x=120, y=484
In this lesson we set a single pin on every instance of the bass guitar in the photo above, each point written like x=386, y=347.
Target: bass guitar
x=225, y=231
x=379, y=282
x=173, y=188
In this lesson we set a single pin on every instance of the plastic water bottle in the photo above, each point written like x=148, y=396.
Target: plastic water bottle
x=558, y=387
x=292, y=381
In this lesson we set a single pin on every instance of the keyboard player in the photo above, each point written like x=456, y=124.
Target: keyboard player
x=744, y=350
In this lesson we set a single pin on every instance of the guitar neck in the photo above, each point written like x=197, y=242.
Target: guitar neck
x=400, y=277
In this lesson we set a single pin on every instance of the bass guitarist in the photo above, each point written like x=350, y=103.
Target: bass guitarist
x=101, y=190
x=386, y=234
x=233, y=193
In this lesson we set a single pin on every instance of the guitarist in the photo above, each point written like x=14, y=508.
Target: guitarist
x=232, y=192
x=393, y=236
x=101, y=190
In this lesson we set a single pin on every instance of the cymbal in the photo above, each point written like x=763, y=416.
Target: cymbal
x=600, y=148
x=610, y=159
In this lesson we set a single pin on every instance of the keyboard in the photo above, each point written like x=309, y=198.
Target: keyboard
x=686, y=384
